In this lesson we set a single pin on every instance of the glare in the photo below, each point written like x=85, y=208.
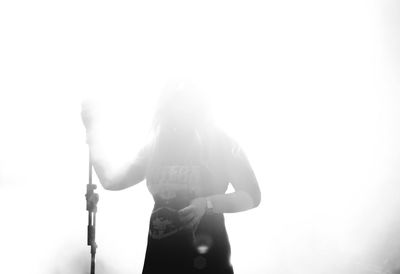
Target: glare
x=202, y=249
x=309, y=90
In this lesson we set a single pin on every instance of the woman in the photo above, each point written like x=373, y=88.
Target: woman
x=187, y=165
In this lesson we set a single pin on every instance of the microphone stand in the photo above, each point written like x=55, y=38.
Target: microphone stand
x=91, y=206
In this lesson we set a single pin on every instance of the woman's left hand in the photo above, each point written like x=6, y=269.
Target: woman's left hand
x=191, y=215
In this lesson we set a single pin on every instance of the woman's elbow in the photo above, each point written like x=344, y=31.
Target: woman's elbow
x=109, y=184
x=253, y=199
x=120, y=183
x=256, y=197
x=106, y=185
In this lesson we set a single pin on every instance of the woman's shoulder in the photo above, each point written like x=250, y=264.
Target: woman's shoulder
x=224, y=143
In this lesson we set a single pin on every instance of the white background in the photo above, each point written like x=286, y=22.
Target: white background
x=310, y=89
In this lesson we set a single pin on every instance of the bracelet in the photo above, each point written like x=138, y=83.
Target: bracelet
x=209, y=206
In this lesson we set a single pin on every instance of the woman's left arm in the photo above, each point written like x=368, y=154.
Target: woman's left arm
x=247, y=194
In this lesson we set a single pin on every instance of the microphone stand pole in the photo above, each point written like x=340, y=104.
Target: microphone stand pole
x=91, y=206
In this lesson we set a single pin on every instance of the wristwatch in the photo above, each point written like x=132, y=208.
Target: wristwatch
x=210, y=206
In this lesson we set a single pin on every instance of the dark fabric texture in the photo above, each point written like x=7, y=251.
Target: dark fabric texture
x=176, y=174
x=182, y=252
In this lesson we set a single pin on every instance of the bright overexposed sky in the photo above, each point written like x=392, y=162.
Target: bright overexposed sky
x=310, y=89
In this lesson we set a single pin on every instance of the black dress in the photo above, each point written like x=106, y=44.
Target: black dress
x=174, y=180
x=172, y=248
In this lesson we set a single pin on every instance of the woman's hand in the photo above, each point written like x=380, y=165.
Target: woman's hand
x=192, y=214
x=87, y=113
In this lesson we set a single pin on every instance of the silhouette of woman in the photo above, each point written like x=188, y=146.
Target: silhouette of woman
x=187, y=166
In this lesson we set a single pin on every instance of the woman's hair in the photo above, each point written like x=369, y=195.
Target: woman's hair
x=181, y=105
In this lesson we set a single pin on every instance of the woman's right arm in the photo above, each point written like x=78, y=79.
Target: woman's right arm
x=132, y=175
